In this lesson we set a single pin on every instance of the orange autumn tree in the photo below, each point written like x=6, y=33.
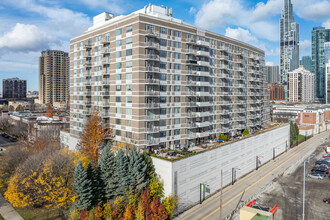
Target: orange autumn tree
x=91, y=139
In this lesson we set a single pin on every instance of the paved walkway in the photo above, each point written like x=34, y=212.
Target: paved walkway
x=7, y=211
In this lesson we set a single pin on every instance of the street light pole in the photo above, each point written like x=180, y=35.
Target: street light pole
x=273, y=153
x=303, y=212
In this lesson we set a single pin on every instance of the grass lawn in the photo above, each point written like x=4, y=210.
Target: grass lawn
x=300, y=138
x=41, y=213
x=1, y=218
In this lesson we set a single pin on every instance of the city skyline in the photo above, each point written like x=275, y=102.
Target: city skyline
x=46, y=24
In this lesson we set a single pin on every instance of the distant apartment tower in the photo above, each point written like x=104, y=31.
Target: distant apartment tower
x=320, y=35
x=159, y=82
x=53, y=76
x=13, y=88
x=275, y=92
x=301, y=85
x=306, y=61
x=273, y=74
x=289, y=43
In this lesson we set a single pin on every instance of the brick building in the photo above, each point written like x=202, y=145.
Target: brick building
x=14, y=88
x=275, y=92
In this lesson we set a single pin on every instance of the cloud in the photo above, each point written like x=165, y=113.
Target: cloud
x=269, y=63
x=113, y=6
x=312, y=10
x=273, y=52
x=26, y=37
x=264, y=11
x=192, y=10
x=241, y=35
x=305, y=45
x=326, y=24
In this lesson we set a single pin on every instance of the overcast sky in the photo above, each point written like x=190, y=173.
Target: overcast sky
x=30, y=26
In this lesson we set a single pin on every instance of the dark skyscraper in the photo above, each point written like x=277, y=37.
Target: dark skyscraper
x=14, y=88
x=289, y=43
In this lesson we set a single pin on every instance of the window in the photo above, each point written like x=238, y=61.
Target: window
x=129, y=52
x=118, y=43
x=128, y=111
x=129, y=40
x=177, y=33
x=177, y=66
x=177, y=132
x=129, y=123
x=128, y=64
x=162, y=134
x=177, y=44
x=129, y=29
x=118, y=132
x=118, y=99
x=176, y=121
x=177, y=99
x=129, y=99
x=162, y=111
x=177, y=77
x=162, y=53
x=118, y=110
x=177, y=88
x=118, y=87
x=163, y=30
x=128, y=134
x=162, y=65
x=118, y=54
x=118, y=32
x=163, y=42
x=128, y=75
x=177, y=110
x=162, y=76
x=162, y=99
x=118, y=76
x=177, y=55
x=129, y=88
x=118, y=65
x=162, y=88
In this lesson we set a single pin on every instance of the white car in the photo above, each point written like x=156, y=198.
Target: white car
x=316, y=176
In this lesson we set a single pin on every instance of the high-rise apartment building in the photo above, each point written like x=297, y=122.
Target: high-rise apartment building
x=13, y=88
x=301, y=85
x=327, y=81
x=275, y=92
x=273, y=74
x=320, y=35
x=289, y=43
x=306, y=61
x=160, y=82
x=53, y=77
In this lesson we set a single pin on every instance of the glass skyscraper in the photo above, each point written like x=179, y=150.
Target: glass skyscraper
x=306, y=61
x=320, y=36
x=289, y=43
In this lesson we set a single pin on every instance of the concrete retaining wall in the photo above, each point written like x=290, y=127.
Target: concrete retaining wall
x=183, y=177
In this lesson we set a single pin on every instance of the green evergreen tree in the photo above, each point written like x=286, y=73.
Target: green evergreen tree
x=83, y=188
x=121, y=175
x=107, y=167
x=138, y=171
x=245, y=132
x=150, y=165
x=92, y=175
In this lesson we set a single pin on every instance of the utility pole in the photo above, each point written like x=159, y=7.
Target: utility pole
x=221, y=196
x=303, y=209
x=273, y=153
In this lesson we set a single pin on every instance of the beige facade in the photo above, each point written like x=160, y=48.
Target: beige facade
x=301, y=85
x=159, y=82
x=53, y=77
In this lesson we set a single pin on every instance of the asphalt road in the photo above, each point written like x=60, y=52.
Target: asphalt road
x=5, y=142
x=252, y=184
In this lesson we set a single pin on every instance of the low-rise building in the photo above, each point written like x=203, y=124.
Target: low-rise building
x=275, y=92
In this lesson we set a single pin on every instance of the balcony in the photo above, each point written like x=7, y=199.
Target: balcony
x=202, y=134
x=87, y=54
x=106, y=82
x=88, y=64
x=105, y=114
x=191, y=104
x=190, y=93
x=203, y=63
x=87, y=112
x=152, y=117
x=106, y=61
x=152, y=69
x=105, y=51
x=203, y=93
x=203, y=43
x=191, y=61
x=203, y=124
x=107, y=93
x=152, y=93
x=105, y=40
x=152, y=57
x=203, y=73
x=223, y=57
x=190, y=41
x=203, y=104
x=152, y=45
x=88, y=83
x=203, y=53
x=154, y=141
x=152, y=81
x=152, y=33
x=87, y=46
x=191, y=83
x=152, y=105
x=191, y=51
x=88, y=103
x=153, y=129
x=105, y=104
x=199, y=83
x=202, y=114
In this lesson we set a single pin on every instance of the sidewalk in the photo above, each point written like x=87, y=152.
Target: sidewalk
x=7, y=211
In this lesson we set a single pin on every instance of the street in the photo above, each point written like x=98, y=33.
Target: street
x=5, y=142
x=250, y=185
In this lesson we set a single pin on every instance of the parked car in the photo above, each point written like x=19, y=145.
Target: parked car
x=326, y=156
x=316, y=176
x=5, y=135
x=320, y=169
x=322, y=165
x=326, y=200
x=323, y=162
x=13, y=139
x=320, y=172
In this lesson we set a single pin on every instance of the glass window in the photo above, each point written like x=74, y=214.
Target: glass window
x=162, y=99
x=128, y=64
x=118, y=76
x=118, y=65
x=118, y=54
x=118, y=43
x=129, y=40
x=162, y=111
x=163, y=42
x=129, y=29
x=163, y=30
x=129, y=123
x=162, y=88
x=177, y=88
x=128, y=111
x=162, y=65
x=176, y=131
x=177, y=55
x=118, y=110
x=177, y=44
x=177, y=33
x=129, y=99
x=177, y=66
x=129, y=52
x=118, y=132
x=162, y=53
x=128, y=75
x=118, y=87
x=177, y=77
x=128, y=87
x=118, y=32
x=177, y=110
x=162, y=76
x=118, y=99
x=162, y=134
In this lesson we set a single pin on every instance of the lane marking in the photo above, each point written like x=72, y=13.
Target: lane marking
x=246, y=189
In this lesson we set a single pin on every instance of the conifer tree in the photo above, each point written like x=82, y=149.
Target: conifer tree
x=138, y=171
x=151, y=168
x=107, y=166
x=92, y=176
x=121, y=173
x=83, y=188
